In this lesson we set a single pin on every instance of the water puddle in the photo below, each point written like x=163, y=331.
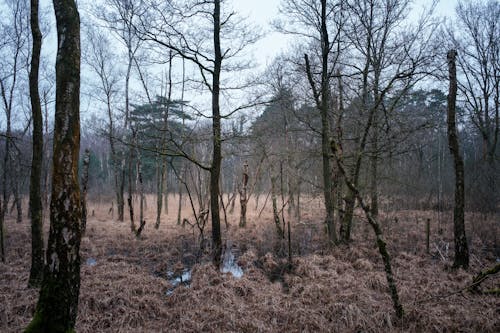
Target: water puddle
x=229, y=265
x=90, y=262
x=183, y=279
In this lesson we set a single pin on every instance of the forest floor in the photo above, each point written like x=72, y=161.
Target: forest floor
x=129, y=284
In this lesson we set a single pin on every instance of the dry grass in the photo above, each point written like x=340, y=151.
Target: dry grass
x=329, y=290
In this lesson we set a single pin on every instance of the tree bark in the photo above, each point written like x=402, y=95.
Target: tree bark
x=57, y=306
x=35, y=205
x=461, y=248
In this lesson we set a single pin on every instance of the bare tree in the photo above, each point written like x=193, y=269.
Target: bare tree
x=386, y=64
x=121, y=17
x=15, y=38
x=57, y=305
x=313, y=20
x=210, y=50
x=161, y=161
x=101, y=61
x=475, y=34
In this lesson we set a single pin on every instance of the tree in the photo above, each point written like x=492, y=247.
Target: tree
x=101, y=61
x=57, y=305
x=180, y=26
x=386, y=62
x=461, y=249
x=14, y=39
x=36, y=209
x=315, y=19
x=121, y=17
x=475, y=34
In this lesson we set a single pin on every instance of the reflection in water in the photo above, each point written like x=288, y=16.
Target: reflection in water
x=229, y=265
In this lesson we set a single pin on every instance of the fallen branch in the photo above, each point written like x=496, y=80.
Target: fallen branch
x=482, y=276
x=473, y=287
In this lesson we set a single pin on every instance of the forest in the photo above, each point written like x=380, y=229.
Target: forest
x=249, y=166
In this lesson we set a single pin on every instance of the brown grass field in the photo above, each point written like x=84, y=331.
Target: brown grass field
x=342, y=289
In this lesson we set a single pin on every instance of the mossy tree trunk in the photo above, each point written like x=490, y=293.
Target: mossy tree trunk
x=461, y=248
x=57, y=306
x=382, y=246
x=35, y=205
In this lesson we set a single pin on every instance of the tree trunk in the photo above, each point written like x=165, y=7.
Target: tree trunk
x=162, y=162
x=140, y=187
x=382, y=246
x=35, y=204
x=216, y=139
x=374, y=169
x=57, y=306
x=243, y=197
x=130, y=191
x=15, y=191
x=2, y=245
x=179, y=208
x=160, y=181
x=461, y=249
x=322, y=99
x=276, y=217
x=85, y=180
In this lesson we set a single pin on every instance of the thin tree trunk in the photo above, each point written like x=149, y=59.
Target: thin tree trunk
x=130, y=191
x=57, y=306
x=15, y=191
x=382, y=246
x=179, y=208
x=243, y=196
x=322, y=99
x=160, y=180
x=2, y=245
x=162, y=163
x=35, y=204
x=461, y=248
x=140, y=188
x=85, y=180
x=374, y=169
x=276, y=217
x=216, y=139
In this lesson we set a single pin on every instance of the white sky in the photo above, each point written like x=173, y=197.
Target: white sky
x=258, y=12
x=262, y=12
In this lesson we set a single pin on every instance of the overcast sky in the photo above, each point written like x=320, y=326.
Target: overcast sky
x=262, y=12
